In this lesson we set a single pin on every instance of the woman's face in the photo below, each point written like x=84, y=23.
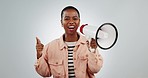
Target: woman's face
x=70, y=21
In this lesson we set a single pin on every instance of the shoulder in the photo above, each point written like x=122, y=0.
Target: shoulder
x=53, y=42
x=82, y=39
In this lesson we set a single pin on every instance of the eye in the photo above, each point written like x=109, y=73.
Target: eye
x=66, y=18
x=75, y=18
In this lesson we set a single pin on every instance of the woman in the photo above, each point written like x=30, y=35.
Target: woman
x=70, y=55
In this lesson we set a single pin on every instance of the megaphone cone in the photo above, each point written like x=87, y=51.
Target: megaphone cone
x=106, y=35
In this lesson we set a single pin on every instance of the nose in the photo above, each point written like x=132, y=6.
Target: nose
x=71, y=22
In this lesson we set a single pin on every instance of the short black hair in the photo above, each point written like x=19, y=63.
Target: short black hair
x=69, y=7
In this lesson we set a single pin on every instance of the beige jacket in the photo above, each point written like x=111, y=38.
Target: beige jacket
x=54, y=60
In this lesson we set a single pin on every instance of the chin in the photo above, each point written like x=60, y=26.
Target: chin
x=72, y=33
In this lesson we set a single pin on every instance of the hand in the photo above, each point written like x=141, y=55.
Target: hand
x=39, y=48
x=93, y=43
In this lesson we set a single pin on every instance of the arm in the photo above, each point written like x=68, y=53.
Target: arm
x=41, y=64
x=95, y=60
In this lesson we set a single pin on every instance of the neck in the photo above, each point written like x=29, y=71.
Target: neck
x=71, y=38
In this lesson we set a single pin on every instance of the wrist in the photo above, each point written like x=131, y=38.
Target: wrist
x=39, y=55
x=92, y=49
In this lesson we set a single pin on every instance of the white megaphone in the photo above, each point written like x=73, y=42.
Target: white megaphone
x=106, y=35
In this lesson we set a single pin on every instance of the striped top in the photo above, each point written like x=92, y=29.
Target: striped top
x=71, y=72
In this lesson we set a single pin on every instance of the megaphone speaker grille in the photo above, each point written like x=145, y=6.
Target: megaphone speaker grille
x=106, y=36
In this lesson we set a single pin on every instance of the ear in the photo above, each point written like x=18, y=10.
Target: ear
x=61, y=23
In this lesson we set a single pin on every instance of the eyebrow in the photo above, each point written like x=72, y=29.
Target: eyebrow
x=72, y=16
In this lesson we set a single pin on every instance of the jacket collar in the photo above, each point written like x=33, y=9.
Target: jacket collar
x=81, y=40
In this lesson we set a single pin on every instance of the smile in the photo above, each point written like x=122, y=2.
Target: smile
x=71, y=27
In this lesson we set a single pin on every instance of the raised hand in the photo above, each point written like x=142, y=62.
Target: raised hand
x=39, y=47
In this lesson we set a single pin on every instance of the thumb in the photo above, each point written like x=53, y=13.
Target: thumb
x=38, y=40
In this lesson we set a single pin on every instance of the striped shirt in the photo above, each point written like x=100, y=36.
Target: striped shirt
x=71, y=72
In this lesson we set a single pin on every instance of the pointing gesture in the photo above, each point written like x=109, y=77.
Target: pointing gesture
x=39, y=47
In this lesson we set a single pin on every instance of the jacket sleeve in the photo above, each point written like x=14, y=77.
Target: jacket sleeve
x=95, y=61
x=41, y=65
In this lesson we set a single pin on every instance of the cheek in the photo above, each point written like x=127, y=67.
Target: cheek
x=78, y=23
x=64, y=23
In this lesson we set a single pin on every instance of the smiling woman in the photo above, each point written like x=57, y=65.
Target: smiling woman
x=70, y=21
x=69, y=56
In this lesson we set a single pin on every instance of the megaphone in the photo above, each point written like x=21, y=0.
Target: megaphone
x=106, y=35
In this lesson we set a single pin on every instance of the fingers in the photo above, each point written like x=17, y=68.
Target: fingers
x=38, y=40
x=93, y=43
x=39, y=45
x=39, y=48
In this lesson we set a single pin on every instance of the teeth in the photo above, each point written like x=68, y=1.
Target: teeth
x=71, y=26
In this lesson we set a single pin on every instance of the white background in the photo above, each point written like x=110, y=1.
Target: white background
x=22, y=20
